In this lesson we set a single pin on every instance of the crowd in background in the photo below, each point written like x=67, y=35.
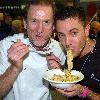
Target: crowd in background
x=10, y=26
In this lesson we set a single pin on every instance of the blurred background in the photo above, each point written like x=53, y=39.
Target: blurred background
x=11, y=10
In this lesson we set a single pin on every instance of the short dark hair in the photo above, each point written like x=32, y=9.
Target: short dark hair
x=71, y=12
x=38, y=2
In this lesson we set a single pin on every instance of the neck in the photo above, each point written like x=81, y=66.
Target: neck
x=89, y=46
x=40, y=48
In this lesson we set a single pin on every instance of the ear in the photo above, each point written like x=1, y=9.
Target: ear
x=25, y=24
x=87, y=28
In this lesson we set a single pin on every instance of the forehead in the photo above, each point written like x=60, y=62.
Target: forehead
x=40, y=11
x=68, y=24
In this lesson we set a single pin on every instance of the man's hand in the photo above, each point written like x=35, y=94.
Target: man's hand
x=74, y=90
x=53, y=61
x=16, y=54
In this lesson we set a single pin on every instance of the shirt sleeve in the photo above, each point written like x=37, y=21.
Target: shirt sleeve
x=4, y=63
x=58, y=51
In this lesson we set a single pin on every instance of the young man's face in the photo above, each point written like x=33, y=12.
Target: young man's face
x=39, y=24
x=72, y=34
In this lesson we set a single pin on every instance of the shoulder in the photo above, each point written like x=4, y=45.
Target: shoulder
x=58, y=50
x=56, y=46
x=97, y=49
x=97, y=42
x=7, y=42
x=55, y=43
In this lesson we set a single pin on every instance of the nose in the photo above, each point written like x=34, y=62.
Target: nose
x=40, y=28
x=67, y=41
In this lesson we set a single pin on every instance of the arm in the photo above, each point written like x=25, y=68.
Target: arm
x=79, y=90
x=93, y=95
x=86, y=92
x=16, y=54
x=7, y=80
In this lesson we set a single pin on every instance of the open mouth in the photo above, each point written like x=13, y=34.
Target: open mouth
x=38, y=35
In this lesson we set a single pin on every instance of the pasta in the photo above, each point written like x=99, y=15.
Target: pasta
x=69, y=63
x=67, y=77
x=63, y=78
x=69, y=59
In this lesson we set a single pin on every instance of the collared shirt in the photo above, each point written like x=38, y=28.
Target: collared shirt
x=29, y=85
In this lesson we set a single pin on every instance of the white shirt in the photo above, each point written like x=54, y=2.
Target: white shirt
x=29, y=84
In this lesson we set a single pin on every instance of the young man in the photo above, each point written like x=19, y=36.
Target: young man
x=23, y=60
x=73, y=33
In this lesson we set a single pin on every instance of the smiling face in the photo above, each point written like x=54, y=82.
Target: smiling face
x=39, y=24
x=72, y=34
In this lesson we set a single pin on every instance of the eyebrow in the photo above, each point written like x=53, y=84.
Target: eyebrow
x=74, y=29
x=69, y=31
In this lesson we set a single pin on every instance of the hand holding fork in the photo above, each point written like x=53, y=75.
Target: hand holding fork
x=45, y=51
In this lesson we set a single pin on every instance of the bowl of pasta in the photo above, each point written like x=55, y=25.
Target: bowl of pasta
x=62, y=79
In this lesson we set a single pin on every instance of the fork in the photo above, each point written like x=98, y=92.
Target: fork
x=45, y=51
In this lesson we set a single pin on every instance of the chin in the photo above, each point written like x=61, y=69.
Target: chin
x=39, y=44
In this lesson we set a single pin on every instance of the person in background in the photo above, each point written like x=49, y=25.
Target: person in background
x=95, y=30
x=5, y=26
x=17, y=27
x=73, y=33
x=23, y=61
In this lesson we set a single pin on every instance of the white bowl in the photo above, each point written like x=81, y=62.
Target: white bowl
x=49, y=74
